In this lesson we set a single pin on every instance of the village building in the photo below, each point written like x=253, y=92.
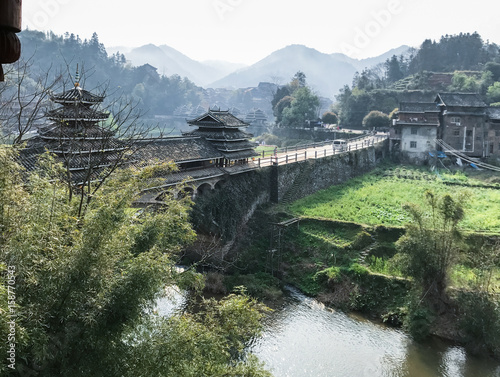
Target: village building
x=416, y=129
x=463, y=122
x=459, y=122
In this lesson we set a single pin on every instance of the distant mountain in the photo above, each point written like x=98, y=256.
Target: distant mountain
x=224, y=67
x=361, y=64
x=169, y=61
x=324, y=73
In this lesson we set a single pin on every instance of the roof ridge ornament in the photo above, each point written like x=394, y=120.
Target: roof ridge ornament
x=77, y=77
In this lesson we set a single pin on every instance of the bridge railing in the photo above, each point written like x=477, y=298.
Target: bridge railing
x=319, y=150
x=320, y=144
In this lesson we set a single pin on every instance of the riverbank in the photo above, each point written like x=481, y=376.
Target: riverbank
x=352, y=266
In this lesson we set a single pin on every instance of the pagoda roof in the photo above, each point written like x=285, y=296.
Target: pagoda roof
x=232, y=146
x=56, y=132
x=224, y=135
x=77, y=94
x=77, y=113
x=218, y=119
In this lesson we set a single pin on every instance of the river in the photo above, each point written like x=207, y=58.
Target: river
x=302, y=338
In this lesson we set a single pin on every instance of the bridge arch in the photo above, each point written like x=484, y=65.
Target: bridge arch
x=204, y=188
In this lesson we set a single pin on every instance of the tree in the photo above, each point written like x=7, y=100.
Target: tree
x=284, y=103
x=494, y=68
x=431, y=245
x=329, y=117
x=393, y=69
x=85, y=285
x=298, y=80
x=22, y=100
x=304, y=107
x=493, y=92
x=208, y=343
x=464, y=83
x=376, y=120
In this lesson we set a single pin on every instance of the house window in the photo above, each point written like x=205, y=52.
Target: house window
x=497, y=132
x=413, y=144
x=456, y=132
x=491, y=148
x=469, y=133
x=414, y=130
x=455, y=120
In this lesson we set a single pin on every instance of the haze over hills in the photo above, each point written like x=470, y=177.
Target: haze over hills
x=326, y=73
x=361, y=64
x=169, y=61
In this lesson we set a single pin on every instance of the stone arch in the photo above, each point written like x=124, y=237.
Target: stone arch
x=186, y=191
x=204, y=188
x=219, y=184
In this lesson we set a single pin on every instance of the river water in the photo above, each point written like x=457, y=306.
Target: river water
x=302, y=338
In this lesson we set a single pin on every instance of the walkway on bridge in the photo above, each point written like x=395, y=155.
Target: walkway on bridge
x=317, y=150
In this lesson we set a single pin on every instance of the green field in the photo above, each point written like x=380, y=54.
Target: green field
x=377, y=198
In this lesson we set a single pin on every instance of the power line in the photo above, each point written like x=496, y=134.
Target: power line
x=448, y=149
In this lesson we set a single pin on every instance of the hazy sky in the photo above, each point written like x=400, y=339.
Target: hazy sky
x=245, y=31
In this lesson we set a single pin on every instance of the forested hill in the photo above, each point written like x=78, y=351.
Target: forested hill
x=459, y=63
x=57, y=55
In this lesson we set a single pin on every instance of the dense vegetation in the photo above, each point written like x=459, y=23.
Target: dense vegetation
x=78, y=288
x=395, y=245
x=464, y=62
x=58, y=55
x=295, y=104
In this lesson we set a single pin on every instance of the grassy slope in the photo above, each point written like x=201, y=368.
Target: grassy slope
x=377, y=198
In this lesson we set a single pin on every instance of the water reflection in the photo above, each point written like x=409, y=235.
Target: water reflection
x=302, y=338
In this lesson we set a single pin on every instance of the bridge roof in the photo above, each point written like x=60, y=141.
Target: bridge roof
x=178, y=149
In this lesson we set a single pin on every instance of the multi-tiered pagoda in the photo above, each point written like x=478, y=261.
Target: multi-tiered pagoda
x=75, y=137
x=223, y=131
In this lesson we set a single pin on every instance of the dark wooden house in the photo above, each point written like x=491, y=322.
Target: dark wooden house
x=463, y=122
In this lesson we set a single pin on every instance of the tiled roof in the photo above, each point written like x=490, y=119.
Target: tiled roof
x=217, y=119
x=220, y=135
x=180, y=150
x=77, y=94
x=240, y=155
x=417, y=96
x=232, y=146
x=418, y=107
x=460, y=99
x=76, y=113
x=81, y=130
